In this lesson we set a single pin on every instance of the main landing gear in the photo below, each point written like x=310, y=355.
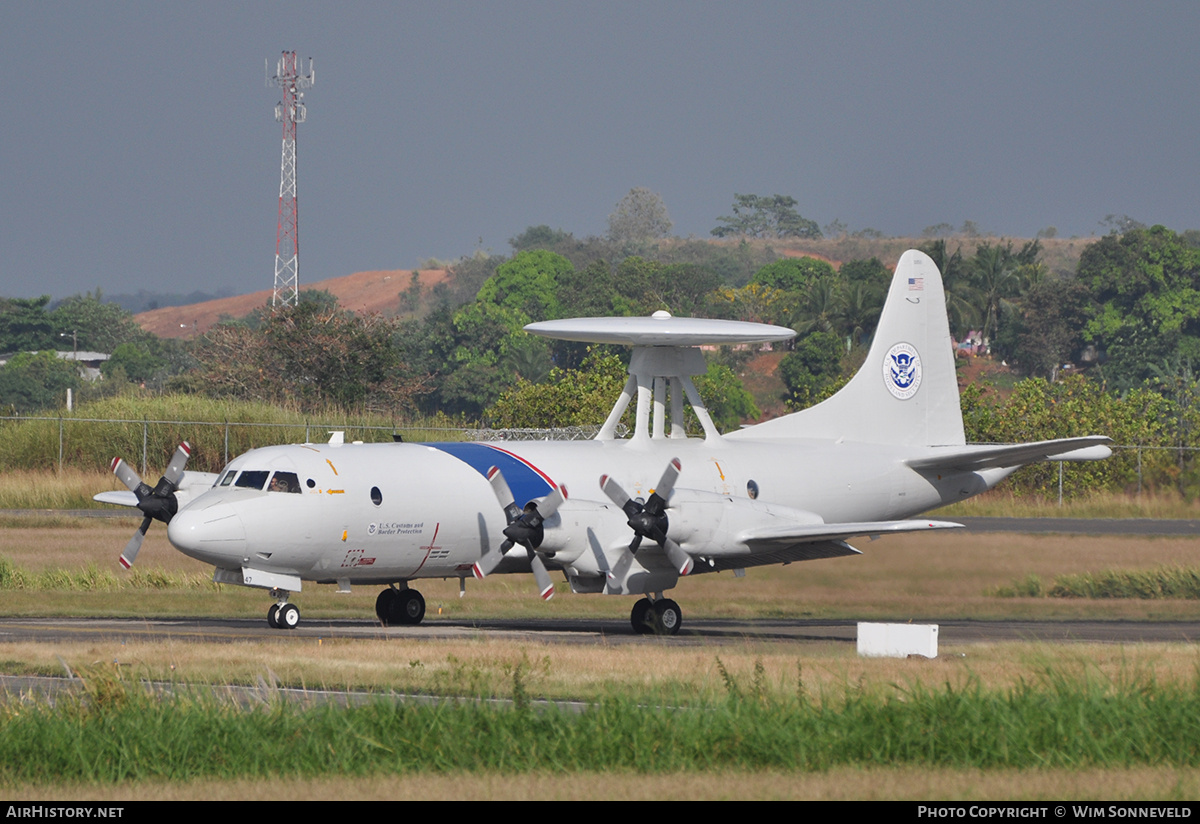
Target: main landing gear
x=660, y=616
x=399, y=607
x=282, y=615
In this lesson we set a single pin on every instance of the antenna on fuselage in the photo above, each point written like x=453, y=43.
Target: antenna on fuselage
x=666, y=354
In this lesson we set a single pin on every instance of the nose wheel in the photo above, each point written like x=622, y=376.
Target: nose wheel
x=283, y=616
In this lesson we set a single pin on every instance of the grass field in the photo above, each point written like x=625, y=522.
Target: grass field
x=936, y=576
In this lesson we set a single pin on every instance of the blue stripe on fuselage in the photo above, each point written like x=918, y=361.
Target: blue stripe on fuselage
x=524, y=481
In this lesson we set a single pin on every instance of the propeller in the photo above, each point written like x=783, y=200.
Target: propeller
x=524, y=528
x=649, y=519
x=157, y=503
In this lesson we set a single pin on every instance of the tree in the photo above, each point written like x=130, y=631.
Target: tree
x=813, y=366
x=761, y=216
x=538, y=237
x=1145, y=287
x=1050, y=327
x=568, y=397
x=33, y=381
x=309, y=357
x=137, y=362
x=25, y=325
x=528, y=283
x=639, y=217
x=100, y=326
x=726, y=399
x=794, y=274
x=648, y=286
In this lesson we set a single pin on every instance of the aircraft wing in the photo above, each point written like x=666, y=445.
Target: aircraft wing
x=192, y=483
x=120, y=497
x=971, y=458
x=809, y=542
x=805, y=533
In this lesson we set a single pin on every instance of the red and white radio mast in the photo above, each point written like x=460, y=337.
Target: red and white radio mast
x=288, y=111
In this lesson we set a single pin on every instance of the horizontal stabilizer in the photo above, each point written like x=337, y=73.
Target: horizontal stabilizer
x=972, y=458
x=761, y=537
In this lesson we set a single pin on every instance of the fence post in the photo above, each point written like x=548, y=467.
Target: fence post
x=226, y=442
x=60, y=444
x=1139, y=461
x=145, y=438
x=1060, y=473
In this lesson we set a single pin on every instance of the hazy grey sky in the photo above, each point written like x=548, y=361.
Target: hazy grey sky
x=139, y=149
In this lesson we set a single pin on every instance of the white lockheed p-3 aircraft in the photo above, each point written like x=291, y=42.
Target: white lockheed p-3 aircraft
x=625, y=516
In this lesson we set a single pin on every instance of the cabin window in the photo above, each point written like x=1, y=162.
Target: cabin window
x=311, y=483
x=252, y=479
x=752, y=489
x=376, y=496
x=285, y=482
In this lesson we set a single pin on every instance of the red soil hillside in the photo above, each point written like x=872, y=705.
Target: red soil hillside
x=366, y=292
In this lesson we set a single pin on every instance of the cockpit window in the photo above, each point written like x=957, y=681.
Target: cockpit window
x=227, y=478
x=252, y=479
x=285, y=482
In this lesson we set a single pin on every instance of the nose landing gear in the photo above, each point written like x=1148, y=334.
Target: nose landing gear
x=282, y=615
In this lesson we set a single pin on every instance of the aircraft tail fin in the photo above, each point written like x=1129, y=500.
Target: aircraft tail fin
x=906, y=392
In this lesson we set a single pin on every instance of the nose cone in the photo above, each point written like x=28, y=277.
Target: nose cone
x=213, y=533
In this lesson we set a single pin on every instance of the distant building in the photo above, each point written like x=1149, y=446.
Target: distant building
x=88, y=362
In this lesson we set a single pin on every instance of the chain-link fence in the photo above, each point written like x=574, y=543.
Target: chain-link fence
x=29, y=442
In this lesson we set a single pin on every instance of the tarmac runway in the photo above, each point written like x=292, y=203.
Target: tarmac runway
x=695, y=632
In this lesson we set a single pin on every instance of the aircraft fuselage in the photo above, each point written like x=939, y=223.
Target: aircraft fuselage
x=379, y=513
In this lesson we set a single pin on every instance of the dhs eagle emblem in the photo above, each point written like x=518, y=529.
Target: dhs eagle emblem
x=902, y=371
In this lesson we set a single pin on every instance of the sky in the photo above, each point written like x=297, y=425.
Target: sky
x=139, y=147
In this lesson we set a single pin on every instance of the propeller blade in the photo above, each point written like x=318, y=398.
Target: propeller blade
x=615, y=493
x=503, y=494
x=544, y=584
x=179, y=460
x=667, y=482
x=135, y=543
x=679, y=559
x=487, y=564
x=649, y=520
x=126, y=475
x=550, y=504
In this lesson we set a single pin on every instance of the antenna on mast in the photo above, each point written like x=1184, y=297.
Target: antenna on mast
x=290, y=111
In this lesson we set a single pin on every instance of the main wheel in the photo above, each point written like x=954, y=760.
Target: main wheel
x=288, y=616
x=641, y=616
x=383, y=606
x=667, y=617
x=273, y=617
x=408, y=607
